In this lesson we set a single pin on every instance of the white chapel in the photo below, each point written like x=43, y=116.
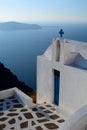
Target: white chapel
x=62, y=81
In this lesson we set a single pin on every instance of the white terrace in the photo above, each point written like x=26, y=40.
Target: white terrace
x=17, y=112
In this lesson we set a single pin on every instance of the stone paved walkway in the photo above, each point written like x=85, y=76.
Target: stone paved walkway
x=15, y=116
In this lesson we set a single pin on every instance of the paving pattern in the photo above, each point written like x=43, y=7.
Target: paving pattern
x=15, y=116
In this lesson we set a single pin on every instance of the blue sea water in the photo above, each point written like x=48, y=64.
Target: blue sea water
x=19, y=49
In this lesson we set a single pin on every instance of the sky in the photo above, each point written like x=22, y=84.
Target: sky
x=43, y=10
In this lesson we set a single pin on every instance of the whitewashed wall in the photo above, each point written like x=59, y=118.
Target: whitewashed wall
x=73, y=80
x=73, y=89
x=45, y=89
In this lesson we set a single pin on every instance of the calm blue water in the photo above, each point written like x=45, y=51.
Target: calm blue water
x=19, y=49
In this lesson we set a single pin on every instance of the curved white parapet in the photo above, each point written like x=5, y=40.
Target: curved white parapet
x=26, y=100
x=78, y=121
x=23, y=97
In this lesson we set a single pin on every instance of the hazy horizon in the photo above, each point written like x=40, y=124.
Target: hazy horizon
x=45, y=23
x=48, y=11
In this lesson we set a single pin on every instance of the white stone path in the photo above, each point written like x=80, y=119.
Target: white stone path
x=15, y=116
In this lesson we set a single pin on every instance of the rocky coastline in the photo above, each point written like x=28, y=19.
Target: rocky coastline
x=9, y=80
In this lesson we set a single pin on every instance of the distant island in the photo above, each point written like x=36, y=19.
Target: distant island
x=18, y=26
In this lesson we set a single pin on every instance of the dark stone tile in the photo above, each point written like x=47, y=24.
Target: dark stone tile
x=54, y=116
x=12, y=121
x=20, y=118
x=24, y=125
x=33, y=123
x=11, y=110
x=3, y=118
x=18, y=106
x=15, y=101
x=12, y=97
x=42, y=120
x=48, y=106
x=42, y=107
x=39, y=128
x=2, y=126
x=7, y=103
x=48, y=111
x=1, y=104
x=61, y=120
x=23, y=110
x=28, y=115
x=1, y=113
x=53, y=109
x=34, y=109
x=1, y=108
x=1, y=100
x=12, y=128
x=8, y=107
x=44, y=102
x=39, y=115
x=12, y=114
x=51, y=126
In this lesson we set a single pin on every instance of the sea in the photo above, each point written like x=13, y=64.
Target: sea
x=19, y=48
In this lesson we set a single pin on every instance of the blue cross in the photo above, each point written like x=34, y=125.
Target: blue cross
x=61, y=32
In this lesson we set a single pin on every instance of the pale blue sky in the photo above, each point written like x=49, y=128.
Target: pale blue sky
x=43, y=10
